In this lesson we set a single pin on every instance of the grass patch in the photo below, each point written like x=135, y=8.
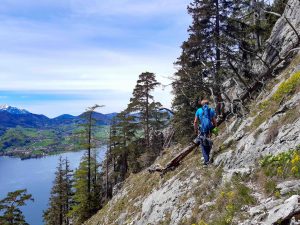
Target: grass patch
x=291, y=116
x=44, y=143
x=230, y=199
x=268, y=108
x=136, y=186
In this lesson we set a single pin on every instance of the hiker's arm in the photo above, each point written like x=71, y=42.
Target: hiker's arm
x=196, y=125
x=214, y=121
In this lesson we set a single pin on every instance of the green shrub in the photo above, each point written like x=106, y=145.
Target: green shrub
x=287, y=88
x=283, y=165
x=269, y=107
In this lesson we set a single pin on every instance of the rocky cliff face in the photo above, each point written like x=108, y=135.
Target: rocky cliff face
x=255, y=176
x=234, y=188
x=285, y=36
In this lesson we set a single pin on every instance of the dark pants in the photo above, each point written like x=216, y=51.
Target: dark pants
x=205, y=144
x=205, y=152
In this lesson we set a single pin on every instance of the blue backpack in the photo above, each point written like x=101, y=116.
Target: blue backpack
x=205, y=118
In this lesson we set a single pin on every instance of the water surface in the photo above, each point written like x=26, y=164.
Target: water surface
x=37, y=176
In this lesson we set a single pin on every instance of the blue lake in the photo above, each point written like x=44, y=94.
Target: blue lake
x=37, y=176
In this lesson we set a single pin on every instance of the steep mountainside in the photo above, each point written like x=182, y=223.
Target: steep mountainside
x=255, y=176
x=238, y=188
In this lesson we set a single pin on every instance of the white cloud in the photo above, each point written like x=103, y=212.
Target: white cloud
x=54, y=45
x=80, y=71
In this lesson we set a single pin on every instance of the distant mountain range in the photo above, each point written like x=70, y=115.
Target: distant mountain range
x=26, y=135
x=11, y=117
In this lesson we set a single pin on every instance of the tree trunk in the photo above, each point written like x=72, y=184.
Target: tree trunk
x=147, y=115
x=218, y=53
x=89, y=156
x=256, y=23
x=176, y=160
x=107, y=159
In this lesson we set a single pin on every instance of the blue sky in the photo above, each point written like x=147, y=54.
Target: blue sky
x=61, y=56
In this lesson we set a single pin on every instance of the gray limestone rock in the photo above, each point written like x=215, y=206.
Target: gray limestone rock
x=271, y=211
x=284, y=211
x=166, y=200
x=289, y=186
x=231, y=172
x=252, y=146
x=283, y=38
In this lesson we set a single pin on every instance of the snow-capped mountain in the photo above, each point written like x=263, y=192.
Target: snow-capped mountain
x=13, y=117
x=13, y=110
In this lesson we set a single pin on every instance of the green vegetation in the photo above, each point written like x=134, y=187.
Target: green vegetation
x=32, y=142
x=230, y=200
x=75, y=197
x=270, y=106
x=10, y=213
x=283, y=165
x=135, y=137
x=137, y=186
x=276, y=168
x=270, y=186
x=61, y=193
x=87, y=197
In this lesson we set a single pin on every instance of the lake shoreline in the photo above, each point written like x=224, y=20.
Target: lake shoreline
x=27, y=156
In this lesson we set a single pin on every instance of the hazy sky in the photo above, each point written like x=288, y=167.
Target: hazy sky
x=61, y=56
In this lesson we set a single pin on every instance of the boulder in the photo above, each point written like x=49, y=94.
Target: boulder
x=285, y=211
x=289, y=186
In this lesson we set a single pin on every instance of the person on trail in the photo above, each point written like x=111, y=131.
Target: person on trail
x=205, y=121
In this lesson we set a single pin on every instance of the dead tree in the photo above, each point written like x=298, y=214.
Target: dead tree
x=175, y=162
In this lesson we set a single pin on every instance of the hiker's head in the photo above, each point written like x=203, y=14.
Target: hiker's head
x=204, y=102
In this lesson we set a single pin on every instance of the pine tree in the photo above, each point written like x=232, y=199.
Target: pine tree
x=142, y=101
x=122, y=138
x=87, y=181
x=198, y=65
x=61, y=195
x=88, y=142
x=85, y=203
x=81, y=209
x=10, y=213
x=218, y=29
x=225, y=39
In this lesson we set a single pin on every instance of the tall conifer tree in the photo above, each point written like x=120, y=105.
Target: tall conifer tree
x=87, y=182
x=142, y=99
x=61, y=195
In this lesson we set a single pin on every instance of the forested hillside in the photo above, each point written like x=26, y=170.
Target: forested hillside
x=28, y=135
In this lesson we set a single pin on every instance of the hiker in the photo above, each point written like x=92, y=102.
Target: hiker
x=205, y=121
